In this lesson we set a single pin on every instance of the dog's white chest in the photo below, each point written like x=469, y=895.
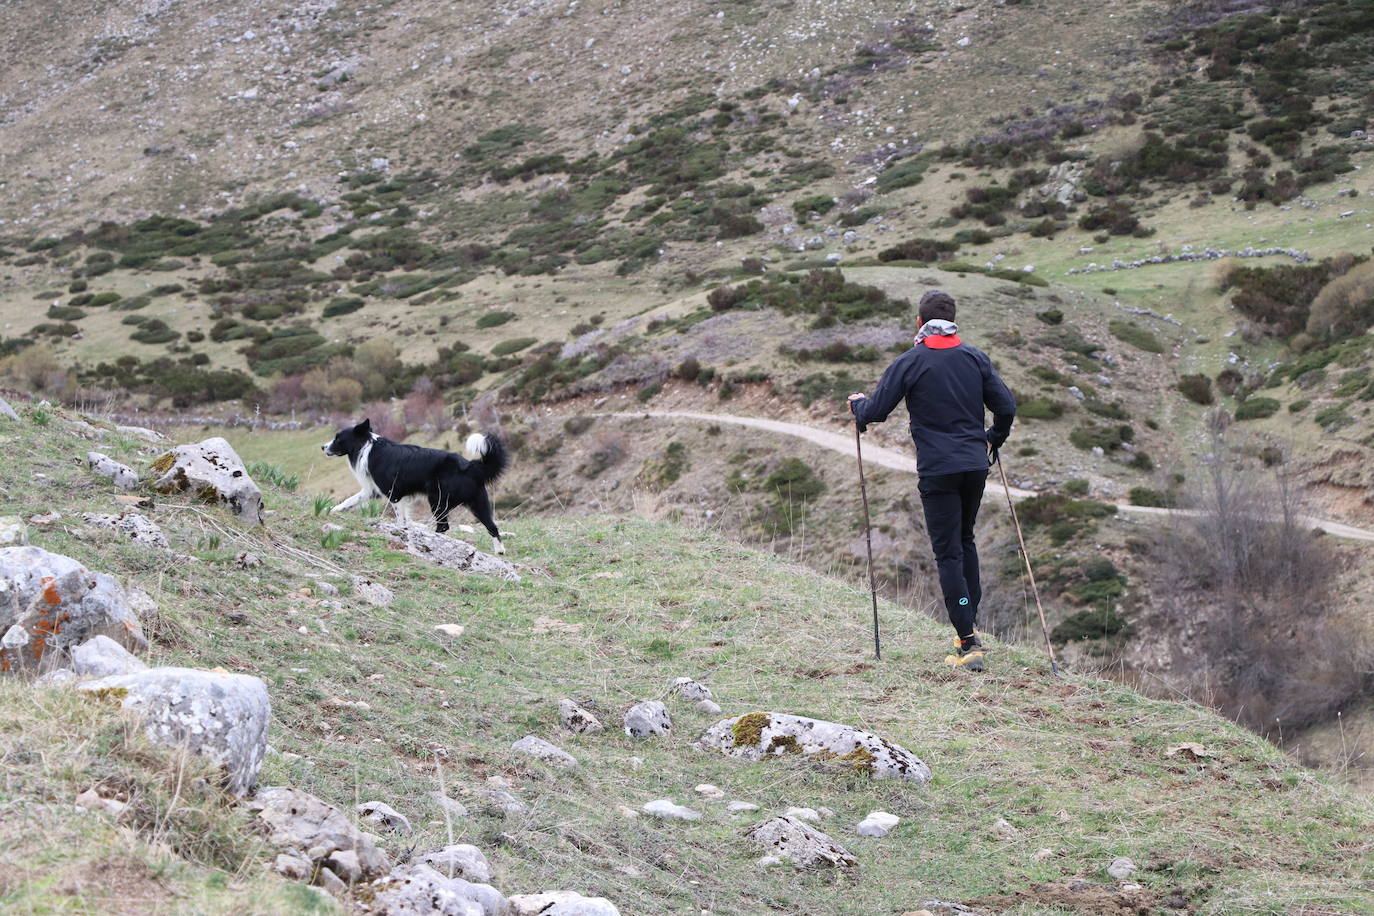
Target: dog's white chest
x=361, y=471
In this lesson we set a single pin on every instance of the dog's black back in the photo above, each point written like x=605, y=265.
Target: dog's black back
x=395, y=471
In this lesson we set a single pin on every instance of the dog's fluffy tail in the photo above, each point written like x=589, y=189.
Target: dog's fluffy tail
x=488, y=455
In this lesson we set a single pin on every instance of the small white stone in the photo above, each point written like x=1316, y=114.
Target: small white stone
x=706, y=790
x=877, y=824
x=668, y=810
x=449, y=629
x=804, y=814
x=741, y=807
x=1121, y=868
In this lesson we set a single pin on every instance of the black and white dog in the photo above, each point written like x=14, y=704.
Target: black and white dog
x=405, y=473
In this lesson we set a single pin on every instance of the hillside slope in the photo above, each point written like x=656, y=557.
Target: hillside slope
x=610, y=611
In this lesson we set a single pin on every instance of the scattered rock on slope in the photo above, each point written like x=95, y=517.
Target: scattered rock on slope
x=692, y=690
x=419, y=890
x=758, y=735
x=669, y=810
x=120, y=475
x=12, y=531
x=648, y=718
x=540, y=749
x=7, y=411
x=805, y=845
x=561, y=903
x=578, y=720
x=213, y=471
x=450, y=553
x=385, y=817
x=101, y=656
x=302, y=825
x=460, y=859
x=137, y=528
x=220, y=716
x=56, y=603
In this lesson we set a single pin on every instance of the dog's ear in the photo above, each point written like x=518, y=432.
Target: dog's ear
x=364, y=427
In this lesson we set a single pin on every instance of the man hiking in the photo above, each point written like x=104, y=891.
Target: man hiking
x=946, y=384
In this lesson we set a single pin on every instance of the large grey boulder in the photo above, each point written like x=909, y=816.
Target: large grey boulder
x=120, y=475
x=692, y=690
x=758, y=735
x=648, y=718
x=302, y=825
x=7, y=411
x=137, y=528
x=561, y=903
x=101, y=656
x=56, y=603
x=798, y=841
x=213, y=471
x=450, y=553
x=418, y=890
x=222, y=717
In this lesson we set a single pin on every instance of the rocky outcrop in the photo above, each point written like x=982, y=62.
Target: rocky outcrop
x=50, y=603
x=12, y=531
x=384, y=817
x=213, y=471
x=418, y=890
x=448, y=552
x=222, y=717
x=307, y=828
x=803, y=844
x=759, y=735
x=459, y=860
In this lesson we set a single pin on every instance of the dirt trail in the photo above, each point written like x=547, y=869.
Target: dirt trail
x=897, y=461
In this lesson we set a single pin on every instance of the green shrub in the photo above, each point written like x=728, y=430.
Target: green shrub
x=1257, y=408
x=104, y=299
x=1050, y=316
x=1133, y=334
x=343, y=306
x=1112, y=411
x=1196, y=388
x=1106, y=437
x=817, y=203
x=649, y=391
x=77, y=286
x=1332, y=418
x=1299, y=406
x=65, y=313
x=154, y=331
x=1040, y=409
x=1145, y=496
x=514, y=345
x=1090, y=623
x=1142, y=461
x=1077, y=486
x=492, y=319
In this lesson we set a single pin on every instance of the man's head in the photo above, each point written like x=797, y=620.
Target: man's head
x=936, y=304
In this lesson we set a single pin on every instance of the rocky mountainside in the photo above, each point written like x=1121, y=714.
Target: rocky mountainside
x=635, y=718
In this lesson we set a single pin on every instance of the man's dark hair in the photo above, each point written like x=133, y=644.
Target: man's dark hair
x=936, y=304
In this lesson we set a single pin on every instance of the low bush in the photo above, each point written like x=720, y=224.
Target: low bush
x=1257, y=408
x=1138, y=337
x=514, y=345
x=1106, y=437
x=492, y=319
x=1196, y=388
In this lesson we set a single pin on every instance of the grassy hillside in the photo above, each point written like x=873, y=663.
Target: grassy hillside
x=610, y=610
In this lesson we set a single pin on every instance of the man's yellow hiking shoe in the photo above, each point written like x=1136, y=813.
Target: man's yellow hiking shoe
x=966, y=655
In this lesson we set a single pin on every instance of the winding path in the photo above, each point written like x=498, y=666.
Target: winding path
x=897, y=461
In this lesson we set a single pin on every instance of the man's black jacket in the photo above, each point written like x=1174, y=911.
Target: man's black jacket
x=945, y=383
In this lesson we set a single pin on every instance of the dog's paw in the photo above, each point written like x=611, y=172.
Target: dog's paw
x=498, y=548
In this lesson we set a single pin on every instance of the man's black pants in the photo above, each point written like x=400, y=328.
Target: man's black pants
x=951, y=504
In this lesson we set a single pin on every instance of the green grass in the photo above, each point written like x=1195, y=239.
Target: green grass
x=1077, y=765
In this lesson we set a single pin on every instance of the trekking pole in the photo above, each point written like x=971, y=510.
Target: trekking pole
x=1035, y=592
x=868, y=536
